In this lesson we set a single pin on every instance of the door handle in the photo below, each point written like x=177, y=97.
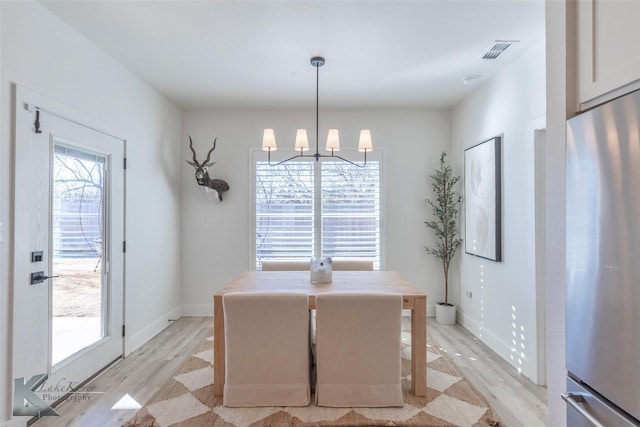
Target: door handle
x=39, y=277
x=574, y=400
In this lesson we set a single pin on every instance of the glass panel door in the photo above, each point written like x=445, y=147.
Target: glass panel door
x=78, y=294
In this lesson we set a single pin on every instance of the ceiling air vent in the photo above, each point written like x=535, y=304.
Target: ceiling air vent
x=499, y=47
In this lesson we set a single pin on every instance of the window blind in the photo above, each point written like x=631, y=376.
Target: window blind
x=351, y=211
x=284, y=211
x=349, y=215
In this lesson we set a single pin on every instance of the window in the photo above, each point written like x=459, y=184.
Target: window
x=330, y=206
x=350, y=211
x=284, y=211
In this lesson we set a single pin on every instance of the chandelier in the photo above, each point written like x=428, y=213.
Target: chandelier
x=302, y=142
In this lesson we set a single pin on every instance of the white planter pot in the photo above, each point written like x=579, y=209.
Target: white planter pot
x=445, y=314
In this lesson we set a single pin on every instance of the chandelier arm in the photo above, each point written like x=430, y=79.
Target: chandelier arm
x=291, y=158
x=317, y=157
x=349, y=161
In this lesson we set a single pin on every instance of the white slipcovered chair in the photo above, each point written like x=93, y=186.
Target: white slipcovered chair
x=358, y=354
x=341, y=266
x=352, y=265
x=267, y=349
x=285, y=265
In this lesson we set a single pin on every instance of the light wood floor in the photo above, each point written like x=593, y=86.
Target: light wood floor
x=140, y=376
x=515, y=400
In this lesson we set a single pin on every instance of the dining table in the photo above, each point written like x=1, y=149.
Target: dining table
x=372, y=282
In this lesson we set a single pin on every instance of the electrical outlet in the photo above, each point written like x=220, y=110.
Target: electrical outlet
x=469, y=294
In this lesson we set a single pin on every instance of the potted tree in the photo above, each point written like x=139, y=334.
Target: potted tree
x=445, y=209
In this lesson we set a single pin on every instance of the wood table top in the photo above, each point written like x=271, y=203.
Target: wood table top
x=342, y=281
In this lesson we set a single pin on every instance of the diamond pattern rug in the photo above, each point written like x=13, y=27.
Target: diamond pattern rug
x=187, y=400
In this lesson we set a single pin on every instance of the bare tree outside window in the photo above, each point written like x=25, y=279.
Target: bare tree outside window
x=78, y=188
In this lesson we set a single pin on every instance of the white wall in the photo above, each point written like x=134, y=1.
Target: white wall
x=42, y=53
x=216, y=237
x=502, y=309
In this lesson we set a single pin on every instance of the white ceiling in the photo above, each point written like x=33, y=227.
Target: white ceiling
x=222, y=54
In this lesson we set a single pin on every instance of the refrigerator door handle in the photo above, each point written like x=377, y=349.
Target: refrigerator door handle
x=574, y=400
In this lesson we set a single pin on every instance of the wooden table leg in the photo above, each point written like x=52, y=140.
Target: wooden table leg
x=218, y=346
x=419, y=347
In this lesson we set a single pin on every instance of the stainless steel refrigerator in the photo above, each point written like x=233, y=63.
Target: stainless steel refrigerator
x=603, y=265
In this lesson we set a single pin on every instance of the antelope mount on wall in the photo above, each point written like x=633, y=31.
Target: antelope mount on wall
x=202, y=176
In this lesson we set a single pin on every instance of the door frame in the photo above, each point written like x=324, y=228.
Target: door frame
x=540, y=227
x=536, y=132
x=27, y=102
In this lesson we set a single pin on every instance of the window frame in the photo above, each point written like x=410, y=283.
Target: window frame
x=257, y=155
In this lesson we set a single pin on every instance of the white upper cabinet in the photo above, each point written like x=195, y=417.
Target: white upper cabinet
x=608, y=49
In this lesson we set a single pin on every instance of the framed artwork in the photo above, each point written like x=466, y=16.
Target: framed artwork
x=482, y=199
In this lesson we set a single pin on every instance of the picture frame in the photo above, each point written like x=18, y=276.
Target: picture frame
x=482, y=199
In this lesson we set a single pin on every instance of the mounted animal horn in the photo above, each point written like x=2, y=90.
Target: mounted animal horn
x=202, y=176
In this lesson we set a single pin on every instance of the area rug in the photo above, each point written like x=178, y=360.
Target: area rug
x=187, y=400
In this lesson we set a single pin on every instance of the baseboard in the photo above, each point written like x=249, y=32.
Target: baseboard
x=502, y=348
x=195, y=310
x=484, y=335
x=135, y=341
x=431, y=310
